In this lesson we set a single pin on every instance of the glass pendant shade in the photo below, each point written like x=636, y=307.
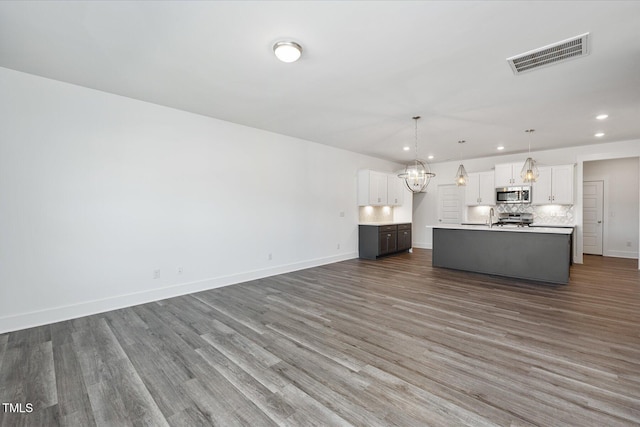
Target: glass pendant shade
x=461, y=176
x=417, y=176
x=529, y=171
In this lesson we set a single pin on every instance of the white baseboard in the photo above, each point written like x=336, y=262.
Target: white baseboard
x=621, y=254
x=422, y=245
x=58, y=314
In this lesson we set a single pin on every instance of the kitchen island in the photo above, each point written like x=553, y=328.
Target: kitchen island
x=532, y=253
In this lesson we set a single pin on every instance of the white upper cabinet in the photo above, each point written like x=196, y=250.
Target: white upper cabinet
x=379, y=189
x=372, y=188
x=395, y=190
x=554, y=186
x=508, y=174
x=480, y=189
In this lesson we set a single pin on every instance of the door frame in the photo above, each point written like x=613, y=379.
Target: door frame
x=578, y=253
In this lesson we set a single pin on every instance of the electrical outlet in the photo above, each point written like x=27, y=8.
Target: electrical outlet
x=628, y=244
x=341, y=214
x=156, y=274
x=180, y=270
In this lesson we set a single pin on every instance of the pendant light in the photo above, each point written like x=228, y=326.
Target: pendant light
x=461, y=175
x=529, y=172
x=417, y=174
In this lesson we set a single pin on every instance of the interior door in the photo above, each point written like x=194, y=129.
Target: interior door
x=592, y=214
x=449, y=204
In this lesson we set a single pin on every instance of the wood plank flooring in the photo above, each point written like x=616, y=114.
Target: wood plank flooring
x=392, y=342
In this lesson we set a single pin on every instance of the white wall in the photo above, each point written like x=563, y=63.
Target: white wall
x=425, y=206
x=621, y=191
x=97, y=191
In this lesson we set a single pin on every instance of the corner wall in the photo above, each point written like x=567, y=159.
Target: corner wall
x=98, y=191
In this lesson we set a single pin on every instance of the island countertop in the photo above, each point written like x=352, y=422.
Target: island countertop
x=499, y=228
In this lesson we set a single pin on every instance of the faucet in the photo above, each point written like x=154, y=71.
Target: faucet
x=491, y=213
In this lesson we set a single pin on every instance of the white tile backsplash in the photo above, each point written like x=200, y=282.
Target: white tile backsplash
x=376, y=214
x=546, y=214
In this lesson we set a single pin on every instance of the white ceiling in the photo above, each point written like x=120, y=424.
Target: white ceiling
x=367, y=67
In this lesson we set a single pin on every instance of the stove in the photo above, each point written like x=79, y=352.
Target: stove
x=517, y=219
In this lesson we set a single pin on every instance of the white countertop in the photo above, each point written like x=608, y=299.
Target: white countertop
x=544, y=230
x=384, y=223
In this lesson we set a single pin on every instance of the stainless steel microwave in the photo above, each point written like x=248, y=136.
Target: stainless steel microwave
x=513, y=195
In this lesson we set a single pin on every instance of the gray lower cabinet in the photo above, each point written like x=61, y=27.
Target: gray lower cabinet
x=378, y=240
x=404, y=237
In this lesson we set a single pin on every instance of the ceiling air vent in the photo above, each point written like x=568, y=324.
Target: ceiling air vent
x=572, y=48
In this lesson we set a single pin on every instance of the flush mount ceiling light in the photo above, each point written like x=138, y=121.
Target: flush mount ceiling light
x=602, y=116
x=417, y=174
x=599, y=135
x=529, y=172
x=461, y=174
x=287, y=51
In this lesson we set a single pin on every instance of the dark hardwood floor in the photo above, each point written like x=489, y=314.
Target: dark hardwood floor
x=387, y=342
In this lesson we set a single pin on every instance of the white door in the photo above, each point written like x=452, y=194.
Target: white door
x=449, y=204
x=592, y=213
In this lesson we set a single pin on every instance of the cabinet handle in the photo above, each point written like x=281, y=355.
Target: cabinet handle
x=553, y=197
x=549, y=198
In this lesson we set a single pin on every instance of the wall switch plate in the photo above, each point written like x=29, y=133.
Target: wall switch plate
x=180, y=270
x=156, y=274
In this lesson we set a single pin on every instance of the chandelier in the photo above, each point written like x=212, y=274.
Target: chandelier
x=417, y=174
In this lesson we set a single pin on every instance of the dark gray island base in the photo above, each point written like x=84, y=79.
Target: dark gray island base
x=541, y=254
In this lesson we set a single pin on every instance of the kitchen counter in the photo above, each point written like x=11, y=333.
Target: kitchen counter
x=540, y=254
x=506, y=228
x=383, y=223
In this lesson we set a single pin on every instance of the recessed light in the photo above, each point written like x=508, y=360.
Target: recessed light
x=287, y=51
x=500, y=147
x=430, y=157
x=406, y=148
x=599, y=135
x=602, y=116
